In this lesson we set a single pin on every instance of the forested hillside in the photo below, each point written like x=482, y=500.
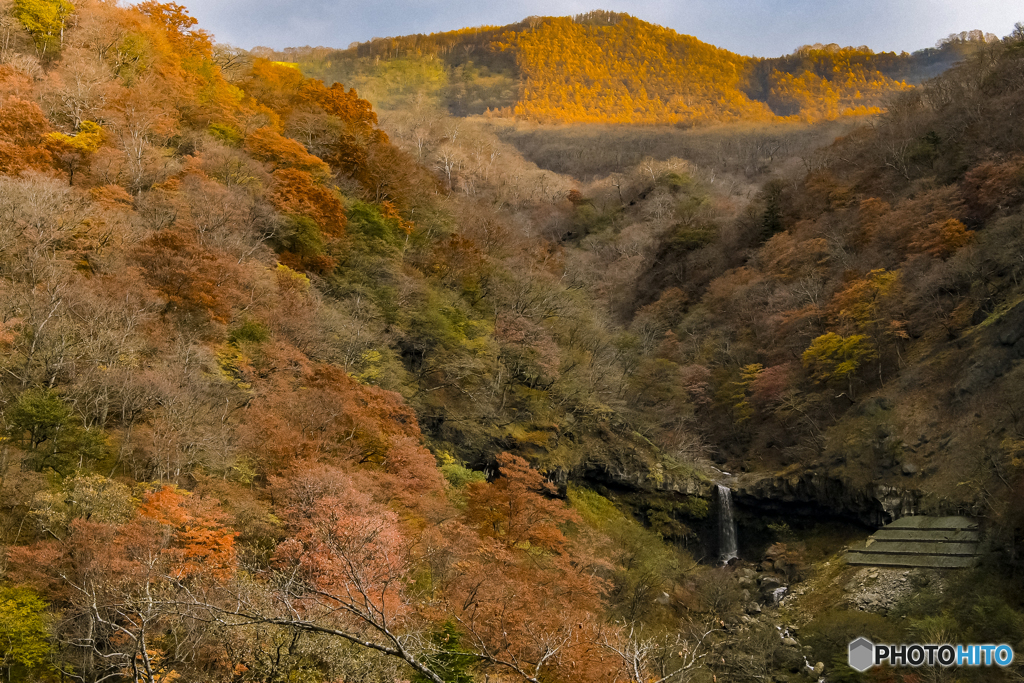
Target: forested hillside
x=607, y=67
x=229, y=303
x=294, y=393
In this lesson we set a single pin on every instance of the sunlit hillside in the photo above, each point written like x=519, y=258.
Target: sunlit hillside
x=606, y=67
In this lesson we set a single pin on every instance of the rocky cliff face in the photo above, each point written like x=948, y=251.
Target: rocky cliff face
x=816, y=493
x=637, y=476
x=807, y=493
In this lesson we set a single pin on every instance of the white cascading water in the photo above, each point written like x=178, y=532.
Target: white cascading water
x=726, y=526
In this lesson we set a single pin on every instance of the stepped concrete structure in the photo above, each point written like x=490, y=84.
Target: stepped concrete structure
x=920, y=541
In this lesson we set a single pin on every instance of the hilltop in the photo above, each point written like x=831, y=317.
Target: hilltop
x=607, y=67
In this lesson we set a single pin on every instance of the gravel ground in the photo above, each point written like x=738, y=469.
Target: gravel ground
x=879, y=589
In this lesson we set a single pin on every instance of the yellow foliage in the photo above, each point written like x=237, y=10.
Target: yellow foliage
x=630, y=71
x=859, y=304
x=233, y=365
x=291, y=280
x=373, y=367
x=834, y=358
x=87, y=140
x=627, y=72
x=833, y=82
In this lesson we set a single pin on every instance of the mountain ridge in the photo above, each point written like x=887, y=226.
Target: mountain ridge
x=608, y=67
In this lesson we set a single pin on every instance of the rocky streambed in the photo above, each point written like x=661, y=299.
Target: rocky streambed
x=780, y=600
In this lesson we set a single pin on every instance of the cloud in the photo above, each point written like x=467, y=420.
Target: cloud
x=761, y=27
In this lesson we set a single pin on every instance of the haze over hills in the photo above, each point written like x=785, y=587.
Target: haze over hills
x=606, y=67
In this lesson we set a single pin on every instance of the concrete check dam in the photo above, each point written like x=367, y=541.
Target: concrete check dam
x=920, y=541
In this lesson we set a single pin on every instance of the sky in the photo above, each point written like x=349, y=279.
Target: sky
x=761, y=28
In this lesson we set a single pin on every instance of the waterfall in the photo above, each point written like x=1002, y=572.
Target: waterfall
x=726, y=525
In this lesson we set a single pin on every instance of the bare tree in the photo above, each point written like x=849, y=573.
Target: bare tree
x=345, y=576
x=651, y=659
x=448, y=161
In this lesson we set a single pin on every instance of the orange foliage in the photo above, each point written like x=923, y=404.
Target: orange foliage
x=103, y=555
x=943, y=239
x=789, y=258
x=174, y=20
x=390, y=212
x=627, y=72
x=911, y=221
x=275, y=86
x=296, y=192
x=515, y=511
x=832, y=82
x=520, y=586
x=111, y=196
x=326, y=416
x=190, y=277
x=614, y=68
x=355, y=148
x=871, y=211
x=22, y=129
x=181, y=530
x=356, y=112
x=345, y=546
x=14, y=83
x=991, y=186
x=824, y=192
x=857, y=304
x=270, y=146
x=164, y=507
x=182, y=60
x=201, y=544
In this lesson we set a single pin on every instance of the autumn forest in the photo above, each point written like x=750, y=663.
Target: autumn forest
x=421, y=360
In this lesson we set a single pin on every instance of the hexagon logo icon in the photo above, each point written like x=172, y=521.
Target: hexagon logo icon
x=862, y=654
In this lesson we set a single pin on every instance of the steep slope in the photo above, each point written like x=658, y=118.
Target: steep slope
x=860, y=323
x=228, y=304
x=814, y=334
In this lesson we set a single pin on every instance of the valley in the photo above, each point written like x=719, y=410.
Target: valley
x=428, y=359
